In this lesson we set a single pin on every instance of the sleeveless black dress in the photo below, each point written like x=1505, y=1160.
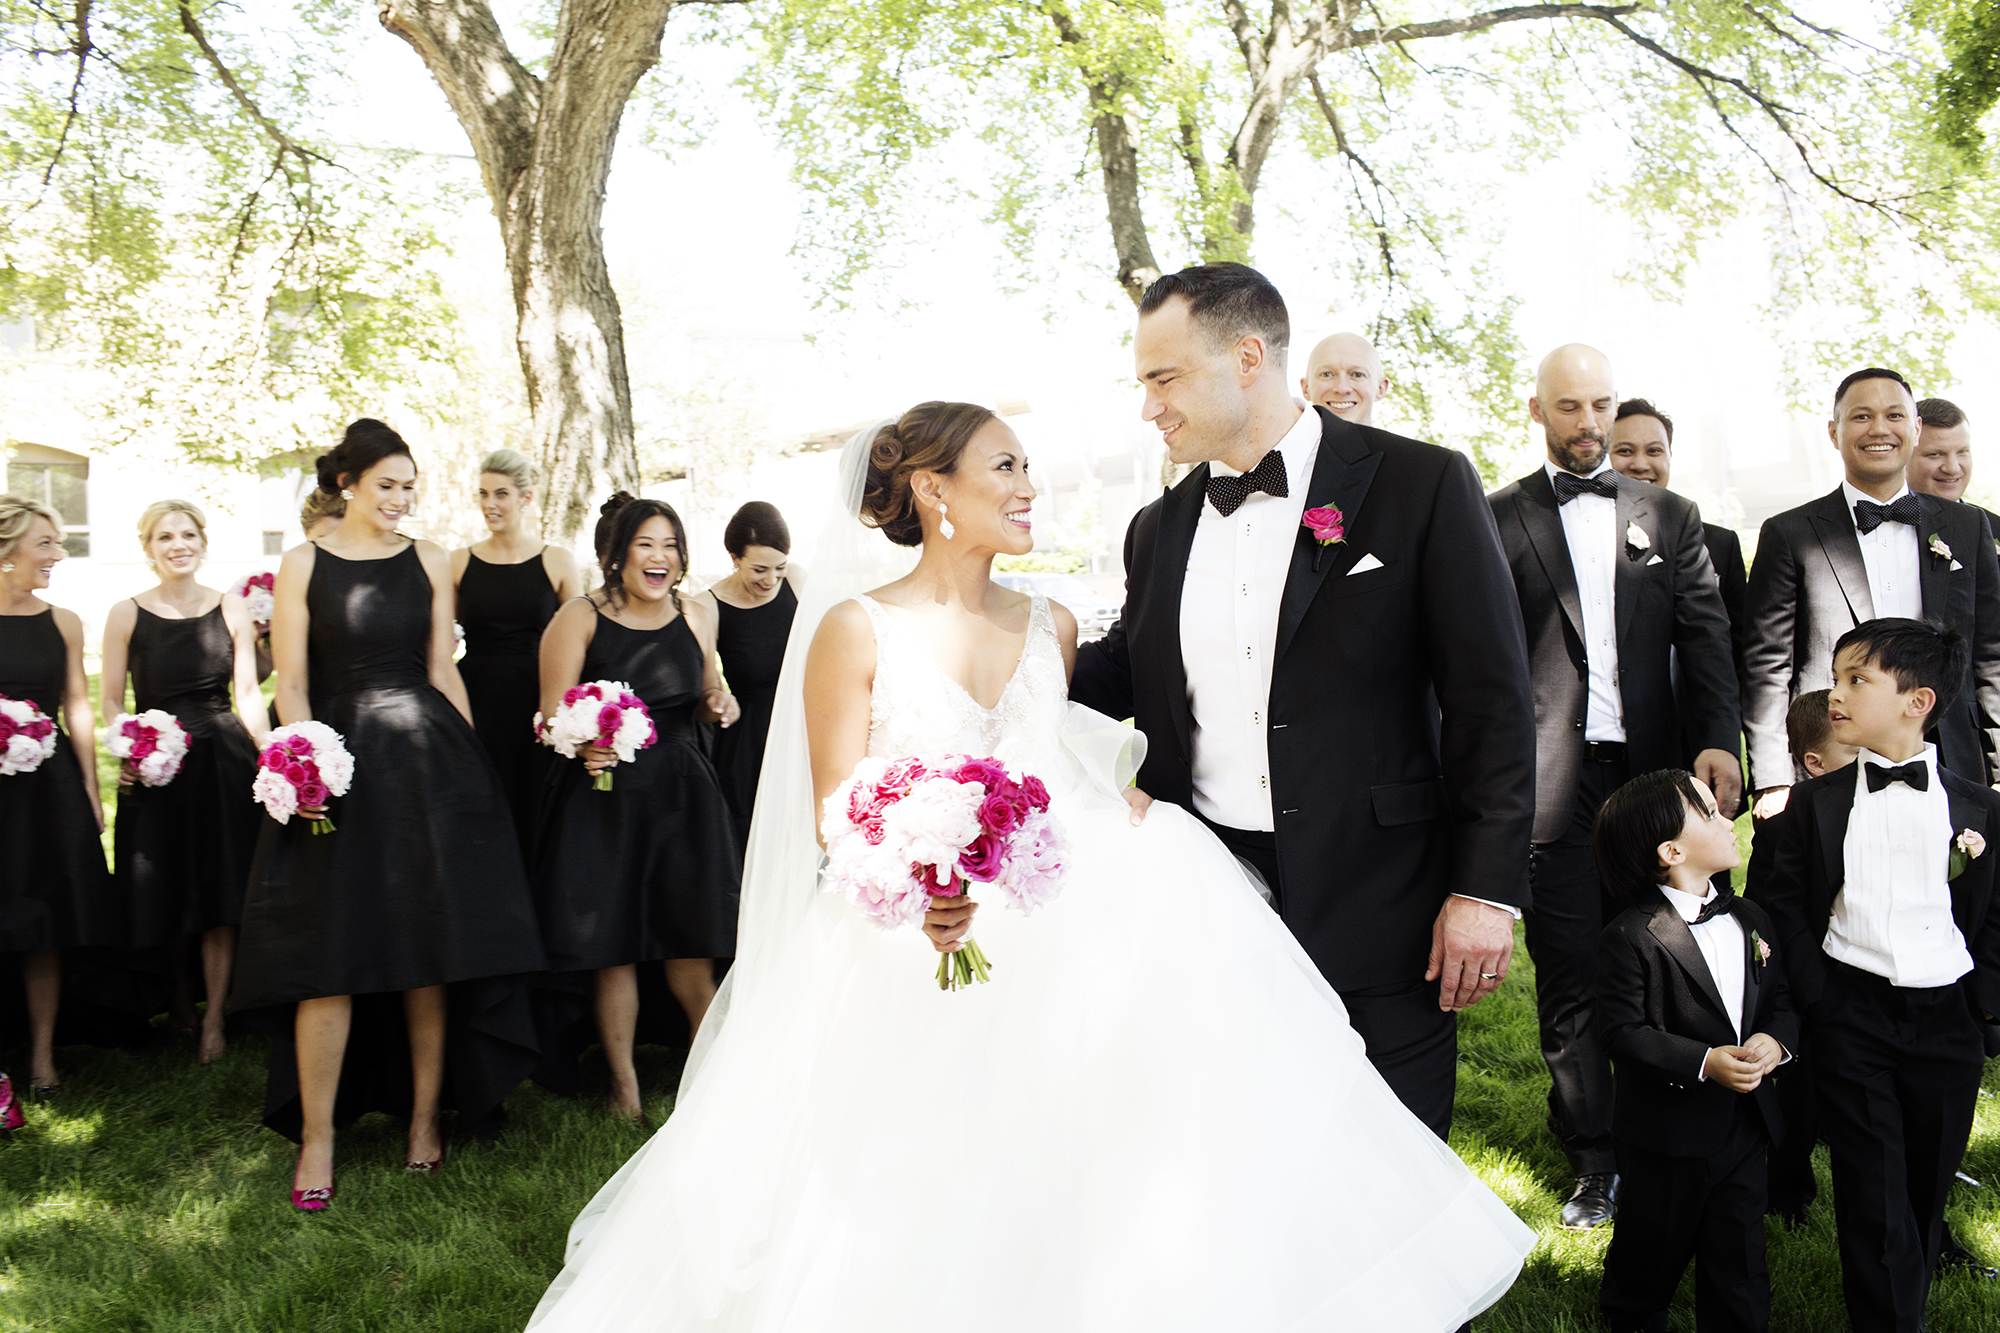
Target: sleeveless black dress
x=751, y=644
x=420, y=885
x=503, y=610
x=183, y=851
x=56, y=892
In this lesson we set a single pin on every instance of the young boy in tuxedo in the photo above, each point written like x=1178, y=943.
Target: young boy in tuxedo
x=1882, y=890
x=1694, y=1013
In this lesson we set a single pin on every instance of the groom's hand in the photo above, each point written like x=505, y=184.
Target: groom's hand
x=1471, y=944
x=1140, y=803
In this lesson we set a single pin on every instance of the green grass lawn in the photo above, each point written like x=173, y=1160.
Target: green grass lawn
x=150, y=1199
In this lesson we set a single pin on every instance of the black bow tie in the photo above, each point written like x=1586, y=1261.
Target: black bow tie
x=1869, y=516
x=1227, y=494
x=1569, y=486
x=1916, y=775
x=1719, y=905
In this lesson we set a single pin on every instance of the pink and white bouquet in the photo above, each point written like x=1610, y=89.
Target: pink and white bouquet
x=152, y=744
x=901, y=832
x=260, y=593
x=604, y=713
x=302, y=767
x=27, y=737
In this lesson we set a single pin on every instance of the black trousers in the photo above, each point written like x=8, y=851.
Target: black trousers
x=1896, y=1073
x=1568, y=914
x=1708, y=1209
x=1793, y=1185
x=1412, y=1043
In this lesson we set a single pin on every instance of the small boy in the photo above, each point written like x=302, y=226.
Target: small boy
x=1882, y=895
x=1694, y=1012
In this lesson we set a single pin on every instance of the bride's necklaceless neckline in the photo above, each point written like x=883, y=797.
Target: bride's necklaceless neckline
x=1027, y=641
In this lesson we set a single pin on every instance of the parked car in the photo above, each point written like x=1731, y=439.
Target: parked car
x=1094, y=612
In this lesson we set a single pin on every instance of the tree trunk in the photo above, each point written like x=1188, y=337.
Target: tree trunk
x=544, y=150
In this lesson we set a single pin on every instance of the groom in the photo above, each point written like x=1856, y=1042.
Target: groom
x=1347, y=708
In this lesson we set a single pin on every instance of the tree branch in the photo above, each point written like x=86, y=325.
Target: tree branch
x=81, y=49
x=1118, y=160
x=272, y=130
x=1492, y=18
x=1377, y=215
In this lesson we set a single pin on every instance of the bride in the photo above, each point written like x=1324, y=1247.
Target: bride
x=1154, y=1116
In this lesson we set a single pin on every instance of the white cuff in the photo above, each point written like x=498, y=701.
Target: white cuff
x=1514, y=912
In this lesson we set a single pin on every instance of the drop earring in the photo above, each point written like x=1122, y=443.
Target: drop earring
x=347, y=495
x=944, y=524
x=7, y=567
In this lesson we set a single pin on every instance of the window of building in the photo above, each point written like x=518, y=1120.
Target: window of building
x=60, y=480
x=274, y=543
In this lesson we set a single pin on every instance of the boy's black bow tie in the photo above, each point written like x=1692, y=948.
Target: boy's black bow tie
x=1915, y=775
x=1717, y=906
x=1569, y=486
x=1227, y=494
x=1869, y=516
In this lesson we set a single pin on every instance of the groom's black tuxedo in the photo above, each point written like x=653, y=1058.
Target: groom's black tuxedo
x=1401, y=742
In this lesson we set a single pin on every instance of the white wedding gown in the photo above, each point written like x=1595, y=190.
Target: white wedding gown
x=1154, y=1117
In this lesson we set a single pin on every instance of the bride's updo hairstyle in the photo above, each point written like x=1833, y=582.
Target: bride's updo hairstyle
x=927, y=438
x=366, y=443
x=619, y=521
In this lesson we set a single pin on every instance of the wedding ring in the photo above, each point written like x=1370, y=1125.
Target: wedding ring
x=1489, y=976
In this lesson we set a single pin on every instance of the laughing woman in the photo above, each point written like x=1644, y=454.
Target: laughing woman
x=649, y=871
x=183, y=851
x=385, y=958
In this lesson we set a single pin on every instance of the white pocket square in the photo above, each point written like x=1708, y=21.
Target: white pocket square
x=1655, y=561
x=1364, y=564
x=1955, y=567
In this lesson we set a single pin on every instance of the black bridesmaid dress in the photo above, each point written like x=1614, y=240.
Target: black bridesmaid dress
x=421, y=884
x=503, y=610
x=183, y=851
x=751, y=644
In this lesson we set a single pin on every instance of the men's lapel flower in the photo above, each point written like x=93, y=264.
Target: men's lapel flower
x=1966, y=848
x=1637, y=543
x=1328, y=527
x=1760, y=954
x=1938, y=548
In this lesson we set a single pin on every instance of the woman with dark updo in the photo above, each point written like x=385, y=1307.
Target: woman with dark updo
x=649, y=871
x=754, y=605
x=385, y=957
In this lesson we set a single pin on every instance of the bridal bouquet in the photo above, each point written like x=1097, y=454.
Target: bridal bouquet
x=604, y=713
x=27, y=737
x=151, y=743
x=259, y=591
x=903, y=831
x=302, y=767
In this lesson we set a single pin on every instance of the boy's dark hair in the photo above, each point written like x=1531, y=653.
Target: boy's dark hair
x=1647, y=811
x=1870, y=373
x=1808, y=726
x=1226, y=301
x=1916, y=652
x=1642, y=407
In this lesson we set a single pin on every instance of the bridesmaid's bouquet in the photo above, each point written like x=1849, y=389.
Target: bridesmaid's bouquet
x=27, y=737
x=903, y=831
x=302, y=767
x=151, y=743
x=604, y=713
x=260, y=593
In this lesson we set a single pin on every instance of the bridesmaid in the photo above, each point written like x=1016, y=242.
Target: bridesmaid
x=417, y=906
x=754, y=605
x=650, y=870
x=319, y=515
x=56, y=893
x=508, y=587
x=182, y=852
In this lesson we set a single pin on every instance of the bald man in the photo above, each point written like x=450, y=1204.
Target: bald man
x=1614, y=579
x=1344, y=376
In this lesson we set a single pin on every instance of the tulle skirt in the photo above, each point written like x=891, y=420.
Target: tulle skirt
x=1154, y=1117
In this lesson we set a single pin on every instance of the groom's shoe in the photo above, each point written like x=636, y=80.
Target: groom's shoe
x=1591, y=1205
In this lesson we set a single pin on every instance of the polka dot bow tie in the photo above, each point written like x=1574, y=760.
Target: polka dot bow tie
x=1869, y=516
x=1227, y=494
x=1569, y=486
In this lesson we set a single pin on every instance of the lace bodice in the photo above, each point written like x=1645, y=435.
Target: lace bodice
x=917, y=709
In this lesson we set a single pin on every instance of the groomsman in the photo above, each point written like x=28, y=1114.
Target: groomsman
x=1942, y=463
x=1613, y=579
x=1344, y=376
x=1870, y=549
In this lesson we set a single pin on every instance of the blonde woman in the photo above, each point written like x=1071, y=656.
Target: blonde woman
x=56, y=893
x=181, y=853
x=509, y=585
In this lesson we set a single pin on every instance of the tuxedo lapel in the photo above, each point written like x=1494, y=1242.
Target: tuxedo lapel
x=1835, y=529
x=1751, y=988
x=1180, y=512
x=1635, y=509
x=1830, y=814
x=1536, y=503
x=1674, y=935
x=1931, y=568
x=1342, y=473
x=1966, y=813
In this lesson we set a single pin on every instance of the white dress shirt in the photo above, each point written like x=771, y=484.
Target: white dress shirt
x=1234, y=584
x=1723, y=948
x=1893, y=915
x=1893, y=559
x=1590, y=528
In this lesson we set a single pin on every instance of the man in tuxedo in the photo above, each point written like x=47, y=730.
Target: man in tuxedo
x=1872, y=548
x=1346, y=705
x=1615, y=589
x=1344, y=376
x=1941, y=464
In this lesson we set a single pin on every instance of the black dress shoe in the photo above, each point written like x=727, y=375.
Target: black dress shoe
x=1591, y=1205
x=1957, y=1259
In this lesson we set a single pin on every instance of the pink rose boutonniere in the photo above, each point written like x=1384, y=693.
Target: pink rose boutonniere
x=1966, y=848
x=1760, y=953
x=1328, y=527
x=1939, y=548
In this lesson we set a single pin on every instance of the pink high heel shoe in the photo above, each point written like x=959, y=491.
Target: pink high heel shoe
x=11, y=1117
x=309, y=1201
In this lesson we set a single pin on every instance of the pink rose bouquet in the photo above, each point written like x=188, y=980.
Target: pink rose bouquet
x=152, y=744
x=302, y=767
x=604, y=713
x=259, y=591
x=900, y=832
x=27, y=737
